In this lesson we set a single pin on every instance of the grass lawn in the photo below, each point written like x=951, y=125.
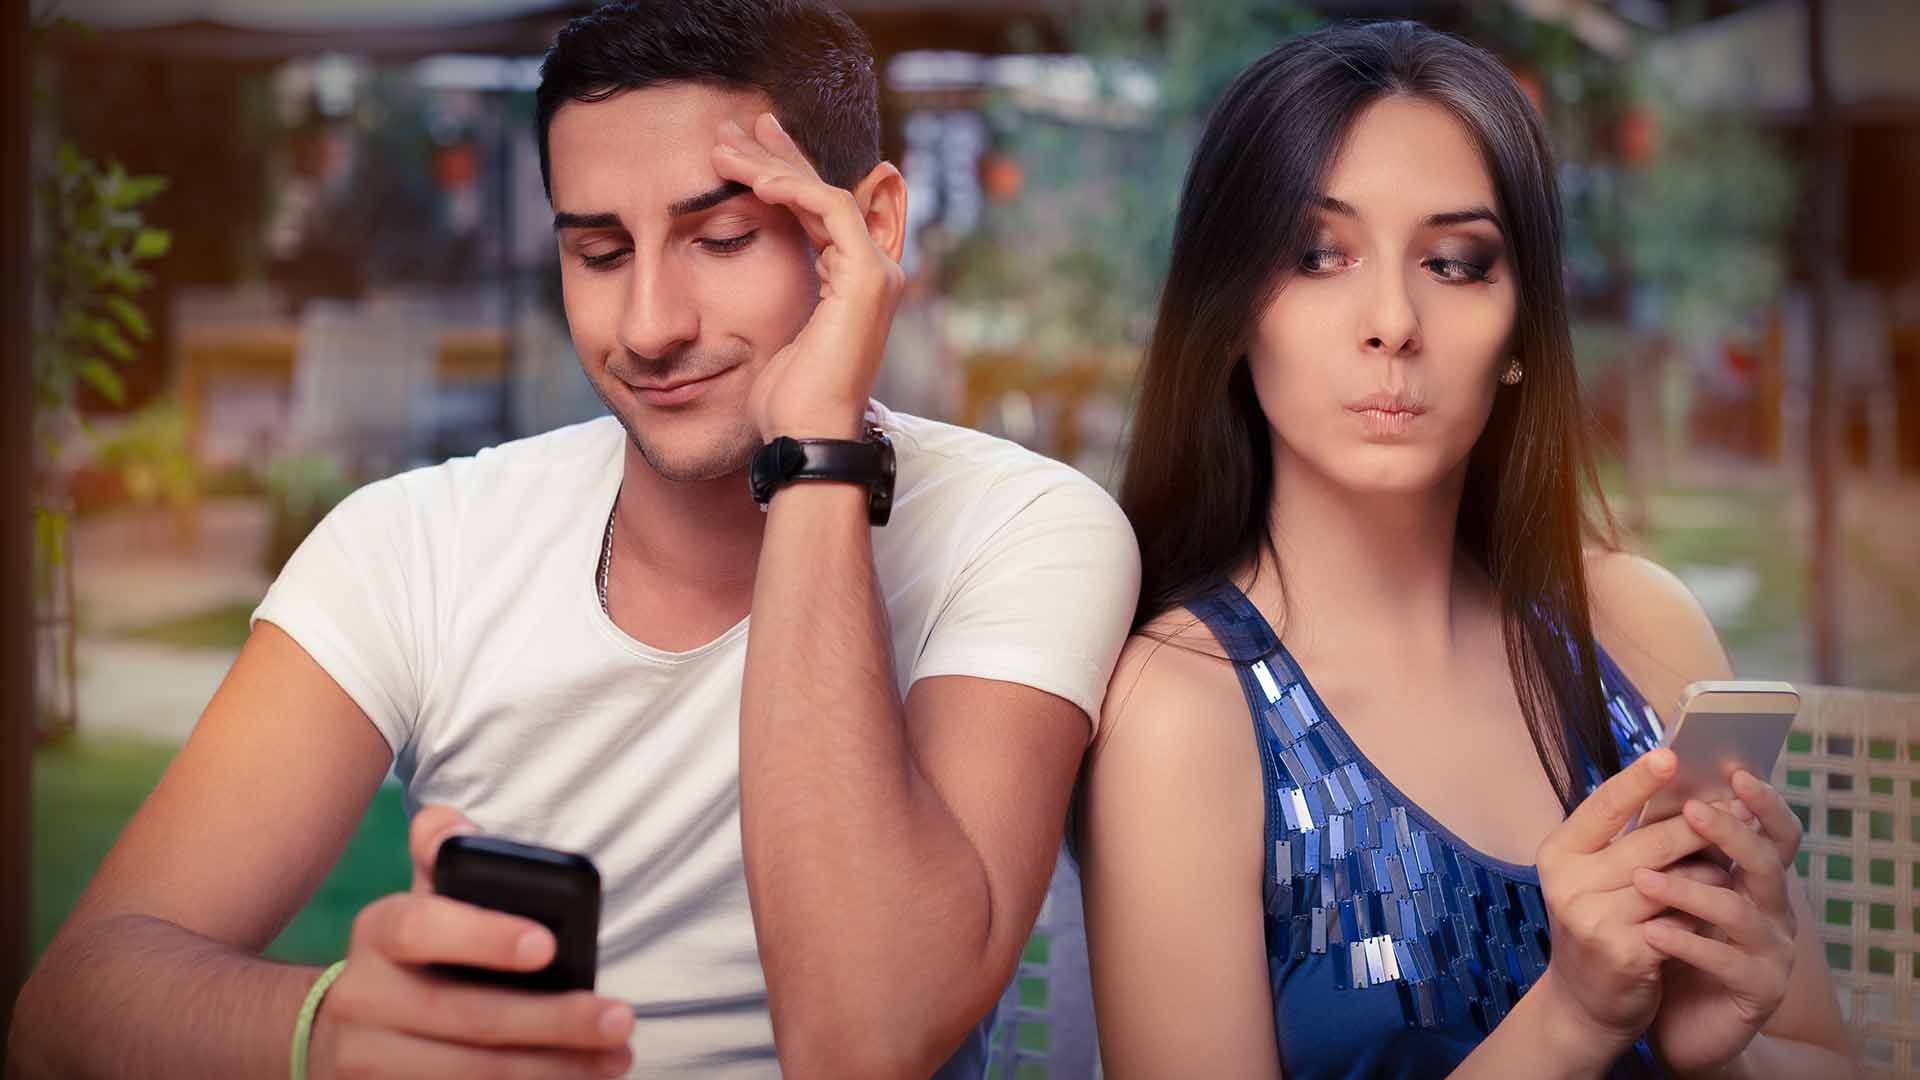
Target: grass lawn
x=86, y=788
x=223, y=627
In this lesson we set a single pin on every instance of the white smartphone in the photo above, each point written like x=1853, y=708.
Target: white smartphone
x=1724, y=726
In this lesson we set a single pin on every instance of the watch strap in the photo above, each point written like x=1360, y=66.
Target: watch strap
x=868, y=462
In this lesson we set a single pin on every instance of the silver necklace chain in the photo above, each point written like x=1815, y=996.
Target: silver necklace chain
x=606, y=557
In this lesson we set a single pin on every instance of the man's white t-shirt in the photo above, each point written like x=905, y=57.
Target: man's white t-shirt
x=457, y=606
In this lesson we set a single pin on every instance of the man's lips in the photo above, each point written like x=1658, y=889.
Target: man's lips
x=676, y=391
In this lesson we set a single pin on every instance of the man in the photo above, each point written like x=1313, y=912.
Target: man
x=861, y=798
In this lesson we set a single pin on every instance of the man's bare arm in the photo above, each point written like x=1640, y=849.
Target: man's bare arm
x=156, y=971
x=896, y=857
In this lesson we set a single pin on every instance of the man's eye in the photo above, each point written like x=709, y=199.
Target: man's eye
x=604, y=260
x=724, y=245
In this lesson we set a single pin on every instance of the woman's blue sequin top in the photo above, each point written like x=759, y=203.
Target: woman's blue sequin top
x=1393, y=947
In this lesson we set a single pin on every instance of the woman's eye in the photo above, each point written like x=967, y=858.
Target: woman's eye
x=1321, y=260
x=725, y=245
x=603, y=260
x=1459, y=270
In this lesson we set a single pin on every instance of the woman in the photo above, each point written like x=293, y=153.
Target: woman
x=1369, y=609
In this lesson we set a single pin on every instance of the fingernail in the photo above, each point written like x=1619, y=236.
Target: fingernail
x=532, y=946
x=776, y=121
x=616, y=1021
x=1661, y=761
x=1697, y=813
x=1649, y=878
x=1740, y=811
x=734, y=126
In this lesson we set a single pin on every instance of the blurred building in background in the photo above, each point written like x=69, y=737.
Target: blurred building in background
x=362, y=278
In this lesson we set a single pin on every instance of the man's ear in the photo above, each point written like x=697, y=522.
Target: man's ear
x=882, y=198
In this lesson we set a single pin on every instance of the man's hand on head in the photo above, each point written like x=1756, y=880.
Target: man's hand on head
x=817, y=386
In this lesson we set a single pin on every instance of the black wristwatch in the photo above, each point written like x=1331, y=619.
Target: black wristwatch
x=868, y=462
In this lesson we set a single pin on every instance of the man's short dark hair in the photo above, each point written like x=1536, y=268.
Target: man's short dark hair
x=810, y=60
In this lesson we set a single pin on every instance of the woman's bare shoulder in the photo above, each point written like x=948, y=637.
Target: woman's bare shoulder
x=1173, y=683
x=1653, y=626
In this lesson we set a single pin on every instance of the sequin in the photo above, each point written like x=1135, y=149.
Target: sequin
x=1265, y=677
x=1362, y=791
x=1297, y=693
x=1338, y=793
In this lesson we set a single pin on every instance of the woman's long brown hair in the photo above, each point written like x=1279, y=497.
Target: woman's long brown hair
x=1198, y=476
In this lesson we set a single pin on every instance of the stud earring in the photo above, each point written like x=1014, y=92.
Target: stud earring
x=1513, y=374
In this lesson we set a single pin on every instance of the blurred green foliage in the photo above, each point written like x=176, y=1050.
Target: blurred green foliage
x=1076, y=261
x=301, y=487
x=152, y=454
x=89, y=272
x=1706, y=221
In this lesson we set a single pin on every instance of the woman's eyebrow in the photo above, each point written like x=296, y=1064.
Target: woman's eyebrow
x=1461, y=217
x=1431, y=221
x=1336, y=206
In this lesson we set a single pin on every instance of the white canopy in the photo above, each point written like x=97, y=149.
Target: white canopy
x=1757, y=59
x=292, y=15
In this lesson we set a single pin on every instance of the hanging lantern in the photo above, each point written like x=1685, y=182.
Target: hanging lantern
x=1531, y=86
x=456, y=166
x=1637, y=135
x=1001, y=177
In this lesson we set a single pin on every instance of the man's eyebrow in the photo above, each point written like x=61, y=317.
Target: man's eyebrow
x=1431, y=221
x=564, y=220
x=707, y=200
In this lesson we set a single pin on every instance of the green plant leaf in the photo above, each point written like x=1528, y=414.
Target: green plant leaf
x=152, y=243
x=130, y=316
x=50, y=535
x=132, y=191
x=107, y=336
x=125, y=278
x=99, y=375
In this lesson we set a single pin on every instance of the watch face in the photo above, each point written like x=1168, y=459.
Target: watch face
x=772, y=465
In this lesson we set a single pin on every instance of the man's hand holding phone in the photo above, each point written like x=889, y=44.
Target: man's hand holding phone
x=388, y=1015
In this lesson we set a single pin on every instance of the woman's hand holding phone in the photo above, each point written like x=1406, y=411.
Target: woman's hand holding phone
x=388, y=1015
x=1728, y=977
x=1603, y=980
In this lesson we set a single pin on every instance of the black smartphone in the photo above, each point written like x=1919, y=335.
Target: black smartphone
x=557, y=889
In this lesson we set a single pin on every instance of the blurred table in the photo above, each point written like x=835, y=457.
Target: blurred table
x=993, y=377
x=266, y=352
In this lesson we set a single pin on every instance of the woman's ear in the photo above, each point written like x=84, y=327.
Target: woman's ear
x=882, y=198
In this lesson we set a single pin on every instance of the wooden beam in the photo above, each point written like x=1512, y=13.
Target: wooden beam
x=16, y=453
x=1828, y=139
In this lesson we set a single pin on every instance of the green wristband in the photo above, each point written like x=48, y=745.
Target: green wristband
x=303, y=1025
